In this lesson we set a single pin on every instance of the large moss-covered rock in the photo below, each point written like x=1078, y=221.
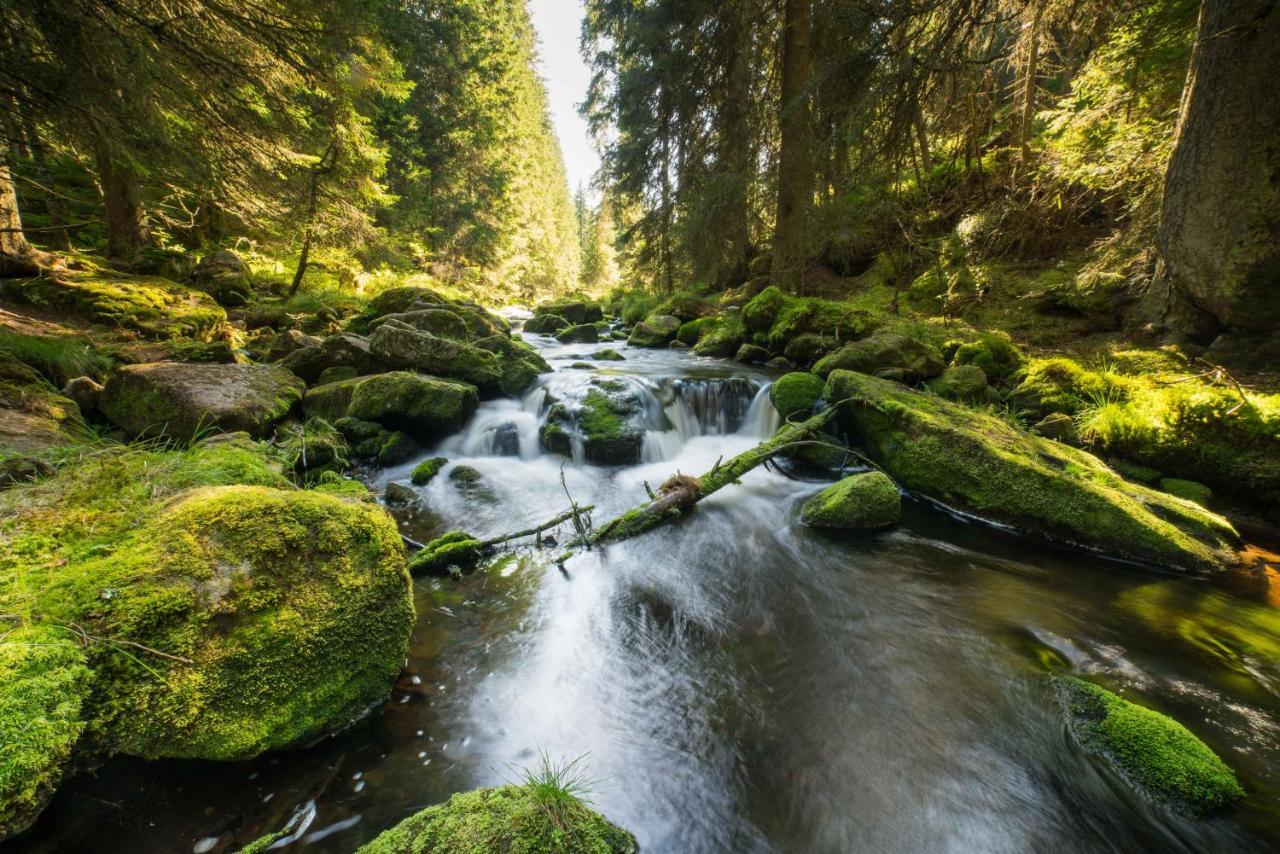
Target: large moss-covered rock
x=981, y=464
x=993, y=352
x=795, y=393
x=721, y=339
x=33, y=417
x=154, y=307
x=759, y=314
x=574, y=311
x=407, y=348
x=657, y=331
x=583, y=333
x=868, y=501
x=511, y=819
x=601, y=421
x=887, y=353
x=1152, y=751
x=424, y=407
x=43, y=681
x=961, y=382
x=545, y=324
x=224, y=276
x=182, y=400
x=520, y=363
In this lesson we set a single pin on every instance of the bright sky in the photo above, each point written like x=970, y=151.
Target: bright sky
x=559, y=23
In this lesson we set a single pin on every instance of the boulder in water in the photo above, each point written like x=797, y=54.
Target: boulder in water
x=751, y=354
x=868, y=501
x=545, y=324
x=426, y=470
x=399, y=494
x=573, y=311
x=657, y=331
x=1152, y=751
x=508, y=818
x=181, y=400
x=582, y=334
x=454, y=549
x=981, y=464
x=795, y=393
x=520, y=363
x=424, y=407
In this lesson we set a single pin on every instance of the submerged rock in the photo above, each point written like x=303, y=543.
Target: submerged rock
x=980, y=464
x=507, y=818
x=182, y=400
x=868, y=501
x=1152, y=751
x=398, y=493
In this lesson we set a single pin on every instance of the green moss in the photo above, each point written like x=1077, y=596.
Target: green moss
x=545, y=324
x=800, y=315
x=1154, y=752
x=455, y=548
x=722, y=339
x=866, y=501
x=685, y=306
x=982, y=464
x=692, y=331
x=759, y=314
x=656, y=331
x=1062, y=385
x=607, y=436
x=423, y=406
x=994, y=352
x=1188, y=489
x=584, y=333
x=520, y=363
x=575, y=311
x=511, y=819
x=43, y=680
x=155, y=307
x=795, y=393
x=961, y=382
x=424, y=471
x=886, y=354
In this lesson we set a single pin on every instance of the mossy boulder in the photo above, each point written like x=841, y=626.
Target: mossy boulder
x=1155, y=753
x=685, y=306
x=224, y=276
x=424, y=471
x=154, y=307
x=583, y=333
x=1063, y=385
x=33, y=417
x=759, y=314
x=981, y=464
x=1188, y=489
x=424, y=407
x=1060, y=427
x=886, y=353
x=656, y=331
x=993, y=352
x=369, y=440
x=809, y=347
x=722, y=339
x=572, y=310
x=330, y=401
x=43, y=682
x=545, y=324
x=512, y=819
x=438, y=321
x=406, y=348
x=520, y=364
x=961, y=382
x=868, y=501
x=182, y=400
x=608, y=355
x=795, y=393
x=601, y=421
x=692, y=331
x=344, y=350
x=751, y=354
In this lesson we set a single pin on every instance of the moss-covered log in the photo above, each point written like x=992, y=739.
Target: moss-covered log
x=680, y=493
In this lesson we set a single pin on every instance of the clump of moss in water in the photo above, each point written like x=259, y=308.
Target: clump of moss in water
x=424, y=471
x=456, y=548
x=795, y=393
x=544, y=814
x=1156, y=753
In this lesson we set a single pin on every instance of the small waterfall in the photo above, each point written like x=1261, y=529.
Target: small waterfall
x=718, y=405
x=761, y=420
x=502, y=428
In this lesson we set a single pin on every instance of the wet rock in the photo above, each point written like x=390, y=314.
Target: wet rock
x=868, y=501
x=582, y=366
x=405, y=348
x=887, y=352
x=581, y=334
x=425, y=471
x=398, y=494
x=780, y=363
x=424, y=407
x=465, y=476
x=751, y=354
x=602, y=421
x=608, y=356
x=456, y=549
x=981, y=464
x=808, y=348
x=284, y=343
x=546, y=324
x=182, y=400
x=520, y=364
x=679, y=345
x=85, y=391
x=1152, y=751
x=795, y=393
x=489, y=819
x=657, y=331
x=574, y=311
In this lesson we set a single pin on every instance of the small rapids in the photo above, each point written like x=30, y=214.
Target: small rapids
x=735, y=682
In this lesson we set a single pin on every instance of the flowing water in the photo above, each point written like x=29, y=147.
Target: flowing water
x=735, y=682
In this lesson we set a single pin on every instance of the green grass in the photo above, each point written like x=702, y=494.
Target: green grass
x=58, y=358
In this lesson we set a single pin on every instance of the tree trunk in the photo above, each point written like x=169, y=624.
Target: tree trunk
x=795, y=173
x=1031, y=69
x=737, y=155
x=127, y=230
x=13, y=242
x=1218, y=246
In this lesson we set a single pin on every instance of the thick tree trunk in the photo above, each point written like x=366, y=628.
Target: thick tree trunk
x=1219, y=241
x=1030, y=70
x=795, y=173
x=737, y=156
x=13, y=242
x=127, y=230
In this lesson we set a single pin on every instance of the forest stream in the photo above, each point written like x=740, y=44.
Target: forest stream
x=736, y=682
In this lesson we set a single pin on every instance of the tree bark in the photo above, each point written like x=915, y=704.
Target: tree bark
x=795, y=173
x=736, y=147
x=1218, y=248
x=1028, y=95
x=12, y=241
x=127, y=230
